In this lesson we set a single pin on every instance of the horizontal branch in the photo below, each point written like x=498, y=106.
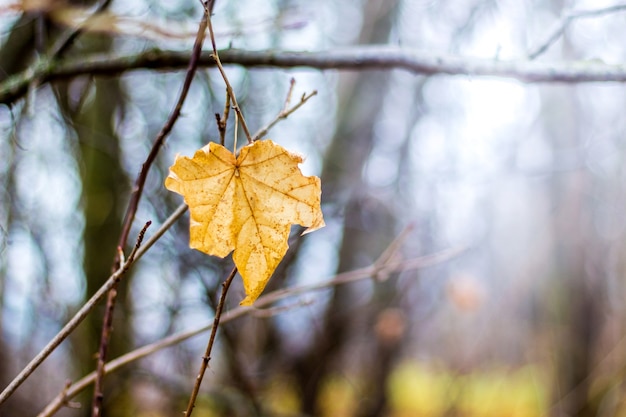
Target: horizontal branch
x=354, y=58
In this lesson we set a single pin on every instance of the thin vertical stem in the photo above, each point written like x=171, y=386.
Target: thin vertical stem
x=134, y=204
x=207, y=354
x=229, y=88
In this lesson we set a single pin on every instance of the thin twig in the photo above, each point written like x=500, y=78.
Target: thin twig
x=263, y=301
x=285, y=111
x=165, y=130
x=229, y=88
x=73, y=323
x=266, y=313
x=207, y=354
x=223, y=122
x=382, y=274
x=105, y=337
x=180, y=210
x=235, y=133
x=559, y=27
x=292, y=84
x=107, y=329
x=69, y=404
x=134, y=204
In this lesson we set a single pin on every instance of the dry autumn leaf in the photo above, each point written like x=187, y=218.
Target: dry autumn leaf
x=246, y=204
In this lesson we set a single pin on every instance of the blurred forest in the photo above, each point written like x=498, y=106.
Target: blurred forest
x=521, y=177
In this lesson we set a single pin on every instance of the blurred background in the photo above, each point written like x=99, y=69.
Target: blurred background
x=529, y=320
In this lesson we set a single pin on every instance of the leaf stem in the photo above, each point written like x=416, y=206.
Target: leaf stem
x=229, y=88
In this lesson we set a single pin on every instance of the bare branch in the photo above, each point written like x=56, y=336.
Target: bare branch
x=225, y=118
x=229, y=88
x=559, y=27
x=285, y=111
x=390, y=254
x=107, y=327
x=138, y=252
x=222, y=121
x=207, y=354
x=192, y=65
x=133, y=205
x=73, y=323
x=357, y=58
x=263, y=301
x=265, y=313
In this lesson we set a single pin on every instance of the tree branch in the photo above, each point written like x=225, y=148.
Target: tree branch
x=357, y=58
x=207, y=353
x=559, y=27
x=137, y=253
x=77, y=319
x=133, y=204
x=285, y=112
x=386, y=263
x=229, y=88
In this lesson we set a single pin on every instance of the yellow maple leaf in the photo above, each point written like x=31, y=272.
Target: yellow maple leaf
x=246, y=204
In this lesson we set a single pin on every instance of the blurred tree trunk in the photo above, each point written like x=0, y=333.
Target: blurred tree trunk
x=576, y=306
x=579, y=315
x=104, y=182
x=366, y=225
x=105, y=190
